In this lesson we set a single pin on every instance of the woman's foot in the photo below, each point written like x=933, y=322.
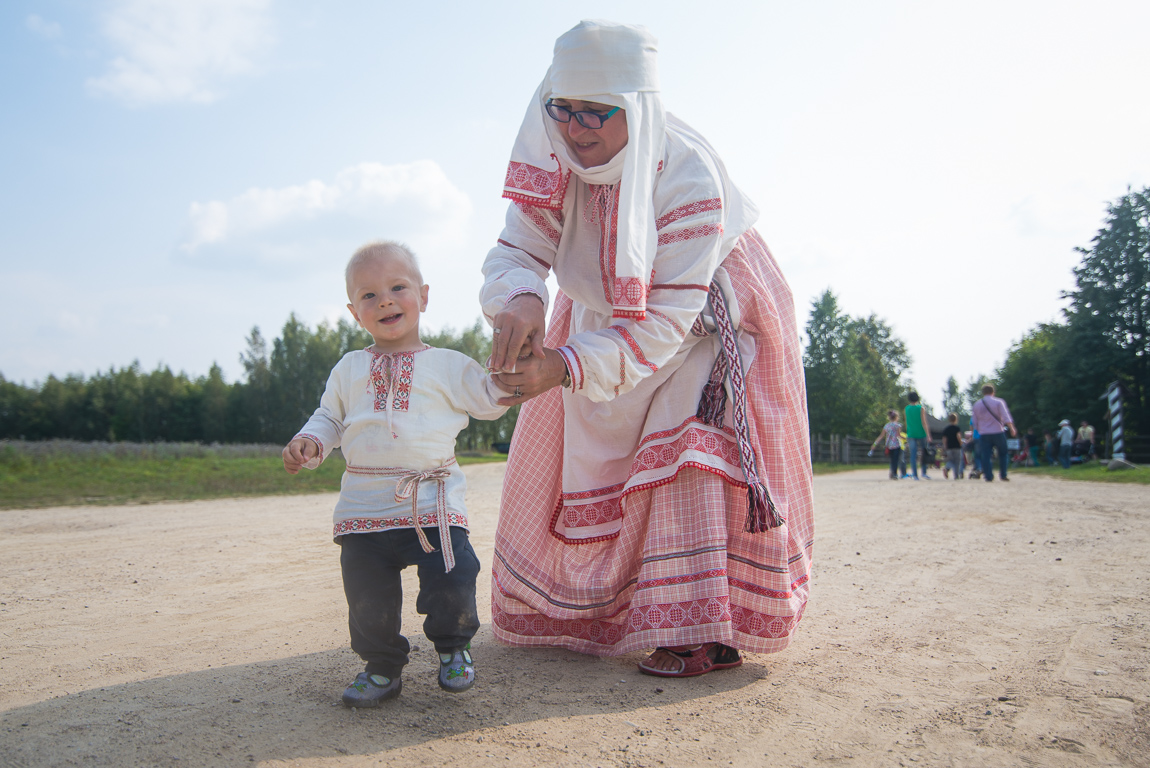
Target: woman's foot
x=689, y=661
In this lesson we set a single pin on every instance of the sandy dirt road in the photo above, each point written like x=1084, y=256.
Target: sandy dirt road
x=951, y=623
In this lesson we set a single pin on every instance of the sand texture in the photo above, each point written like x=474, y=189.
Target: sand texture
x=951, y=624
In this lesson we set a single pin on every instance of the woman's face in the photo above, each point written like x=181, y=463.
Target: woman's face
x=593, y=146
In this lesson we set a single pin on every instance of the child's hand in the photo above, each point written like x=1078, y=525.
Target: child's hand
x=298, y=452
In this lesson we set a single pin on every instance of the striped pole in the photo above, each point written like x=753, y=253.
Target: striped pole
x=1114, y=400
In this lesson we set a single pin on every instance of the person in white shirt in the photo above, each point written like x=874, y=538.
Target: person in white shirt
x=395, y=410
x=1065, y=443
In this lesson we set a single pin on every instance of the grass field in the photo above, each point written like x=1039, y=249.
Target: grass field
x=1094, y=472
x=128, y=475
x=60, y=479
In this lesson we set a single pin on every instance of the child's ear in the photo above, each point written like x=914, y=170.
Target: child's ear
x=423, y=289
x=351, y=308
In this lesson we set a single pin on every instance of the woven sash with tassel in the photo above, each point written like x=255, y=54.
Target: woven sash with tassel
x=761, y=512
x=407, y=486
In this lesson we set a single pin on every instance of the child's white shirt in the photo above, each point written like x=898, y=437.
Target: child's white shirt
x=396, y=418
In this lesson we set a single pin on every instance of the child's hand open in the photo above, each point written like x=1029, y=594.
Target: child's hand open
x=298, y=452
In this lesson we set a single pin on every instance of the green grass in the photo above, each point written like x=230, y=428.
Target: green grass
x=831, y=467
x=72, y=480
x=1093, y=472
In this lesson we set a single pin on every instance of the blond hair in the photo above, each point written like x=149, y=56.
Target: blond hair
x=380, y=249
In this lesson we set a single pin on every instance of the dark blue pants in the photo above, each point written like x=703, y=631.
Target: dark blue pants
x=371, y=564
x=986, y=444
x=894, y=452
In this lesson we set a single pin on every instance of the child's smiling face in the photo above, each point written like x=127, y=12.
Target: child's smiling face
x=387, y=297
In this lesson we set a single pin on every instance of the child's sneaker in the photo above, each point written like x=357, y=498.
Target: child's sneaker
x=456, y=671
x=368, y=690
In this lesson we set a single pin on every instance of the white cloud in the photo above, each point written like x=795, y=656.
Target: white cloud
x=181, y=51
x=415, y=201
x=49, y=30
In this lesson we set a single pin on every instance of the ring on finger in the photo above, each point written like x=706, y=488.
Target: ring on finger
x=518, y=393
x=497, y=331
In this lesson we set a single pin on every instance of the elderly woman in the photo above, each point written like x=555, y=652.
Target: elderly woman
x=658, y=489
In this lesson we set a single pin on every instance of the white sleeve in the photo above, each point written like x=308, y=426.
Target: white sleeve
x=521, y=259
x=326, y=425
x=474, y=392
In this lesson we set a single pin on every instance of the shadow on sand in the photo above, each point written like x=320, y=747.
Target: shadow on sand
x=289, y=709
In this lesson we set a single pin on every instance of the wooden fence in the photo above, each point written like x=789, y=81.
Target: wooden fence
x=843, y=449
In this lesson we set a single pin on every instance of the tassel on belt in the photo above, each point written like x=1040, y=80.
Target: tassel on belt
x=407, y=487
x=761, y=512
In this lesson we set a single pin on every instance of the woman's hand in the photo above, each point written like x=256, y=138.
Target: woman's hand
x=534, y=374
x=517, y=332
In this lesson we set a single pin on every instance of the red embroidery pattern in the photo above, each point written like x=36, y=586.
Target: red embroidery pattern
x=388, y=370
x=595, y=513
x=634, y=345
x=690, y=209
x=355, y=469
x=622, y=371
x=607, y=632
x=690, y=233
x=699, y=327
x=673, y=324
x=594, y=492
x=554, y=529
x=763, y=625
x=708, y=610
x=692, y=439
x=318, y=442
x=689, y=578
x=603, y=207
x=630, y=290
x=537, y=218
x=576, y=370
x=370, y=524
x=664, y=433
x=756, y=589
x=526, y=183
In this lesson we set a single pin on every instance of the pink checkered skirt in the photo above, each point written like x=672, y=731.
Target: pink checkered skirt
x=681, y=570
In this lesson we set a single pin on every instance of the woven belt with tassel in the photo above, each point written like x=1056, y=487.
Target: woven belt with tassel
x=761, y=512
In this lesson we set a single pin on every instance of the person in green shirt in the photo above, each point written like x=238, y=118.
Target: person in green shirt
x=917, y=434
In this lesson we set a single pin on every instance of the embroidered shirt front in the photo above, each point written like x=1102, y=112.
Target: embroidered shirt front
x=395, y=417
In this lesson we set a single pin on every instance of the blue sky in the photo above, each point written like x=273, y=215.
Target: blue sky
x=174, y=173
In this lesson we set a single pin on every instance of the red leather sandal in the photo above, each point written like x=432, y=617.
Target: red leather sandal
x=694, y=661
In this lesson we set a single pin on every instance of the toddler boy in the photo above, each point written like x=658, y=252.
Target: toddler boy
x=395, y=410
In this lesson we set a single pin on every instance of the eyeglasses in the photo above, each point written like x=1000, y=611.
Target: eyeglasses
x=586, y=119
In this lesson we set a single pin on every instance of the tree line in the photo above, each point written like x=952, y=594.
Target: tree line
x=1060, y=370
x=282, y=386
x=856, y=367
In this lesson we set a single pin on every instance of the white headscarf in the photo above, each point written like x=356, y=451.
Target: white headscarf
x=612, y=64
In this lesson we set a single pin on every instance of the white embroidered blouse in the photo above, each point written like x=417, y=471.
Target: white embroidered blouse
x=396, y=418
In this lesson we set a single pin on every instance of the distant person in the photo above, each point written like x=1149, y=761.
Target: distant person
x=917, y=435
x=1085, y=442
x=1031, y=448
x=952, y=436
x=890, y=438
x=1065, y=443
x=992, y=418
x=1050, y=445
x=395, y=410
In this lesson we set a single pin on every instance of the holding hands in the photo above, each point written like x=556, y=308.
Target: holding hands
x=520, y=364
